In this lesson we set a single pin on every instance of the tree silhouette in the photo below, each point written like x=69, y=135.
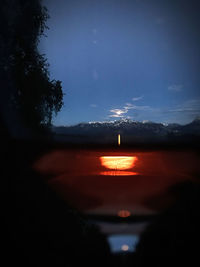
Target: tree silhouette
x=32, y=93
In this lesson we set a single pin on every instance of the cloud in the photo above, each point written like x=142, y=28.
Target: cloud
x=134, y=110
x=118, y=113
x=129, y=106
x=175, y=87
x=182, y=113
x=93, y=105
x=189, y=106
x=137, y=98
x=116, y=116
x=122, y=113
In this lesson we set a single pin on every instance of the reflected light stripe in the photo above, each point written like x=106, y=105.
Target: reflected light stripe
x=119, y=140
x=118, y=162
x=118, y=173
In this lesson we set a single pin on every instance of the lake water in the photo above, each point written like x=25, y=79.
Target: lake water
x=107, y=183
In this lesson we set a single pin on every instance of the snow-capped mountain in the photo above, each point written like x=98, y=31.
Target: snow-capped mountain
x=131, y=131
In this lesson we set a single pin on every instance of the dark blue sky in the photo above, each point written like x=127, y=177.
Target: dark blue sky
x=137, y=59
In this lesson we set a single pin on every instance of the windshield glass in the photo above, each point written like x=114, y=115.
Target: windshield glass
x=100, y=124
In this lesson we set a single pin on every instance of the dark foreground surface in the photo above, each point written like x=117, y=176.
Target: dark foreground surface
x=60, y=205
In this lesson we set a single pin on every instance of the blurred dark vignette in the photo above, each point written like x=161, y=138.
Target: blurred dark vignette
x=38, y=228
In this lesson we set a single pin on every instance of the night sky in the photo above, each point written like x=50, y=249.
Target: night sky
x=137, y=59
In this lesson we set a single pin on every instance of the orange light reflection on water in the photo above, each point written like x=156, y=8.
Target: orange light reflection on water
x=118, y=162
x=118, y=173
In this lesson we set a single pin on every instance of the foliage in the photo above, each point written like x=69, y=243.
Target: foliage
x=35, y=96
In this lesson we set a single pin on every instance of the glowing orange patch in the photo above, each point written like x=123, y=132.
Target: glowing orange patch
x=118, y=162
x=124, y=213
x=118, y=173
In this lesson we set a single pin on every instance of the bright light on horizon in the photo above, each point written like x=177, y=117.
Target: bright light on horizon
x=119, y=140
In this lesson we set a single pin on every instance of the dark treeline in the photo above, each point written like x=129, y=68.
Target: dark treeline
x=26, y=87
